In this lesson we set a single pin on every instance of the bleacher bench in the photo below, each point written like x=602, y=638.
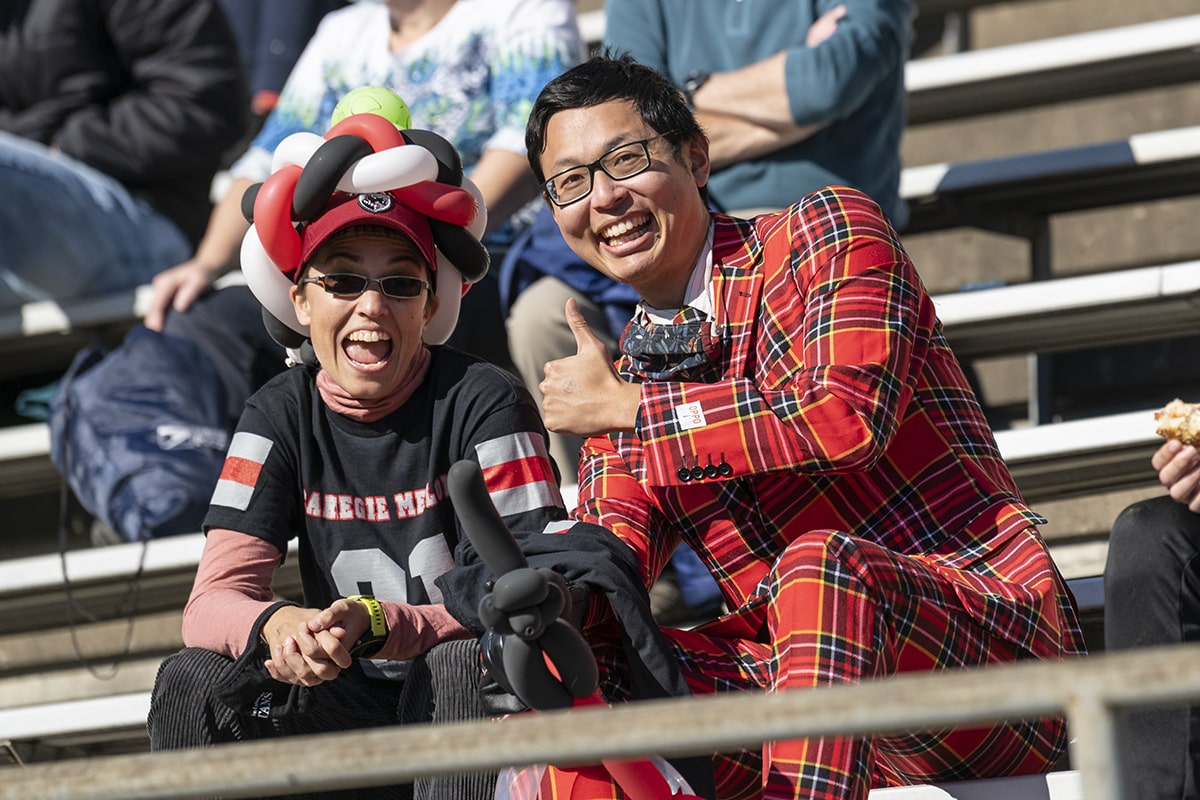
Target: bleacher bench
x=1073, y=313
x=1062, y=68
x=1005, y=194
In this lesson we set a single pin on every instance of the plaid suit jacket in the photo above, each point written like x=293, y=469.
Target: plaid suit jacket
x=840, y=406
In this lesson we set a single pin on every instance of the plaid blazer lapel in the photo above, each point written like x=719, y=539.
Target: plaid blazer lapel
x=737, y=290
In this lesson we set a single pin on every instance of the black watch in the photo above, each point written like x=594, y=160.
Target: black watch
x=695, y=80
x=373, y=638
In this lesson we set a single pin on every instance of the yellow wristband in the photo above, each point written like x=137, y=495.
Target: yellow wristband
x=375, y=611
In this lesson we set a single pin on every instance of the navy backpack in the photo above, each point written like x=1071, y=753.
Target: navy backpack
x=139, y=434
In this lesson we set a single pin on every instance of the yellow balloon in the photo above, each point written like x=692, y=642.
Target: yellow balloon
x=373, y=100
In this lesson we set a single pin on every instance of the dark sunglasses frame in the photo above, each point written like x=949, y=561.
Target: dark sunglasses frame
x=350, y=284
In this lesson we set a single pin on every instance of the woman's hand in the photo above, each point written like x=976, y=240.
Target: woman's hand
x=311, y=646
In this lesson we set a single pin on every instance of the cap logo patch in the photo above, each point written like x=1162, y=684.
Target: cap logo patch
x=376, y=202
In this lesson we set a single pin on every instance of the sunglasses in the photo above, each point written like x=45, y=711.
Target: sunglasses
x=348, y=284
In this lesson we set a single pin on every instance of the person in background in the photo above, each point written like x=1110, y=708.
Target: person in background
x=1152, y=598
x=787, y=405
x=793, y=96
x=467, y=69
x=349, y=454
x=271, y=35
x=113, y=121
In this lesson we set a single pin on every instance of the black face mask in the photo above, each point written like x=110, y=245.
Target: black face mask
x=686, y=349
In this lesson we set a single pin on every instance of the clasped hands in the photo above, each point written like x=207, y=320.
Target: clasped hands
x=310, y=646
x=582, y=394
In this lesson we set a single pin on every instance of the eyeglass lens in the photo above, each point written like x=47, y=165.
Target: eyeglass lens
x=621, y=163
x=350, y=284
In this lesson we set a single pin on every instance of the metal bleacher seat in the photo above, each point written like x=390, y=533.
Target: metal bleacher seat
x=994, y=79
x=1075, y=312
x=1006, y=194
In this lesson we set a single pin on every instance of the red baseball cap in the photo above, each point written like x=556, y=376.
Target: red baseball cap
x=377, y=208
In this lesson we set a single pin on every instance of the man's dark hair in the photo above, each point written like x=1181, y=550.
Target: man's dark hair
x=604, y=78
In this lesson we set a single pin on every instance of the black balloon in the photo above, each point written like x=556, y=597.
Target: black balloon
x=464, y=250
x=319, y=179
x=450, y=166
x=283, y=335
x=248, y=198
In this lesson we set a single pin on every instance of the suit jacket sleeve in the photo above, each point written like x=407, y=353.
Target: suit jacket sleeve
x=841, y=332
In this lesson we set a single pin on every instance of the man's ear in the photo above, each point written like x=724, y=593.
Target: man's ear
x=300, y=304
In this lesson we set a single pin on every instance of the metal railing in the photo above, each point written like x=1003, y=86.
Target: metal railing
x=1088, y=691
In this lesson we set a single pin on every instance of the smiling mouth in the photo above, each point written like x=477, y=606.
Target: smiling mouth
x=367, y=348
x=625, y=231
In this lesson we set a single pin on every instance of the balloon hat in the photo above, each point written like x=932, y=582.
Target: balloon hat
x=364, y=153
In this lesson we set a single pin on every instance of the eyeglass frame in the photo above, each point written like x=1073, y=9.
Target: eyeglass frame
x=368, y=281
x=547, y=185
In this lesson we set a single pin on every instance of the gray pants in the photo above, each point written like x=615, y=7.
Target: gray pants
x=442, y=687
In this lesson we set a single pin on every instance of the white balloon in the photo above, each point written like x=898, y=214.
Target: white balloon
x=478, y=225
x=389, y=169
x=270, y=286
x=296, y=148
x=449, y=292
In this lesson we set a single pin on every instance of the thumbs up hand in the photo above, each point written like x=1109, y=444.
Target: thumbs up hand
x=583, y=394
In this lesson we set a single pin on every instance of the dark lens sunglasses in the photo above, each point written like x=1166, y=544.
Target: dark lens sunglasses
x=348, y=284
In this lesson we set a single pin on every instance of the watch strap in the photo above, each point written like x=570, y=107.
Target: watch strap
x=373, y=638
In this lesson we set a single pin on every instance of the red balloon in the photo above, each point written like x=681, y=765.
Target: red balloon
x=273, y=218
x=376, y=130
x=439, y=200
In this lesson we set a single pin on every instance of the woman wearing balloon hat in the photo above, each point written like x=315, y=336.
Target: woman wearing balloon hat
x=467, y=69
x=360, y=244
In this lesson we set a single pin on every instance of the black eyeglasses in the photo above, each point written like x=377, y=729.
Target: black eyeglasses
x=348, y=284
x=621, y=163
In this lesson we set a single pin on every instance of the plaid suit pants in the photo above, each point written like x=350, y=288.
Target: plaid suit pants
x=837, y=609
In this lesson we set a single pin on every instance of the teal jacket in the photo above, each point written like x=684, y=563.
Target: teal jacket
x=853, y=82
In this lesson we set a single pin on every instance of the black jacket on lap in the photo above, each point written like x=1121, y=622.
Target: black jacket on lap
x=149, y=92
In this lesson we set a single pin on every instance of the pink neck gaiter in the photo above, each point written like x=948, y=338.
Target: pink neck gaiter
x=359, y=410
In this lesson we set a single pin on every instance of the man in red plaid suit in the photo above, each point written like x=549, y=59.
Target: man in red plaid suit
x=787, y=405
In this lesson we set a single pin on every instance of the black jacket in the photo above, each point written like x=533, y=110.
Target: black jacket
x=150, y=92
x=589, y=556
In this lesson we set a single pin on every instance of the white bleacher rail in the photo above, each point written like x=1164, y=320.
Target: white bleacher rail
x=1075, y=312
x=1087, y=692
x=32, y=589
x=986, y=193
x=989, y=80
x=1081, y=456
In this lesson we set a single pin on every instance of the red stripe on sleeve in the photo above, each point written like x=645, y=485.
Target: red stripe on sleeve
x=241, y=470
x=518, y=472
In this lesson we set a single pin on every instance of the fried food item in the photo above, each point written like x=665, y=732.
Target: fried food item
x=1180, y=421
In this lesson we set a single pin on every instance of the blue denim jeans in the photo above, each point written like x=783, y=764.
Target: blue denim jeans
x=68, y=231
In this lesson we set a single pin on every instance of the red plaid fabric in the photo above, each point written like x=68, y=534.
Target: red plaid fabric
x=857, y=514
